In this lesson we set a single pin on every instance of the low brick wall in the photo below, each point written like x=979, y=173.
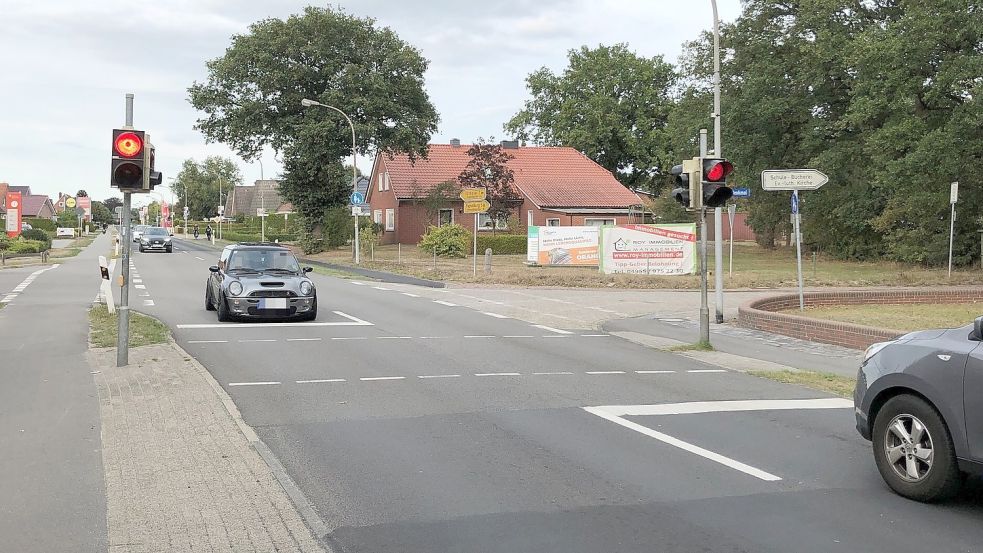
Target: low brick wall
x=762, y=314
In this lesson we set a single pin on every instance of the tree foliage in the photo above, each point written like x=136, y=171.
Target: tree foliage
x=101, y=213
x=488, y=168
x=610, y=104
x=251, y=99
x=198, y=184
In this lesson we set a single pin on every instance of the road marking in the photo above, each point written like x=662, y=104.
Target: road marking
x=498, y=374
x=479, y=336
x=139, y=286
x=439, y=376
x=707, y=371
x=257, y=340
x=144, y=294
x=496, y=315
x=519, y=336
x=553, y=336
x=355, y=322
x=382, y=288
x=148, y=303
x=555, y=372
x=198, y=258
x=351, y=338
x=595, y=335
x=433, y=337
x=382, y=378
x=395, y=337
x=208, y=341
x=551, y=329
x=253, y=383
x=605, y=372
x=27, y=282
x=447, y=303
x=318, y=381
x=353, y=319
x=356, y=283
x=303, y=339
x=654, y=372
x=410, y=295
x=137, y=281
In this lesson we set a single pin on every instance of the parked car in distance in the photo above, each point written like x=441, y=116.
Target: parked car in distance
x=155, y=239
x=260, y=280
x=24, y=225
x=919, y=399
x=137, y=230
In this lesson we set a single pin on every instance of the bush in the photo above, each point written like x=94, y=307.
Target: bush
x=27, y=246
x=4, y=242
x=339, y=226
x=43, y=224
x=311, y=244
x=449, y=241
x=502, y=244
x=38, y=235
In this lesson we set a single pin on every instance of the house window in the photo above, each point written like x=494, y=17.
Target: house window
x=385, y=181
x=390, y=219
x=553, y=222
x=485, y=222
x=380, y=182
x=445, y=217
x=598, y=222
x=377, y=216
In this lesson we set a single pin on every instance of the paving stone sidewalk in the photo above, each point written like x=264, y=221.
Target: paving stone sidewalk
x=180, y=473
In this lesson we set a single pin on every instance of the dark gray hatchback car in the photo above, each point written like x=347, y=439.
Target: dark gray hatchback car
x=260, y=281
x=919, y=399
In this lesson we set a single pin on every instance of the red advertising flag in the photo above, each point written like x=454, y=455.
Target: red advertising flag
x=14, y=213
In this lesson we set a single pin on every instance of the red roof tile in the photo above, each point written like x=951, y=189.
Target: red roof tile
x=33, y=204
x=548, y=176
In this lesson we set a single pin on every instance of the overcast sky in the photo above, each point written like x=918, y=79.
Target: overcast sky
x=66, y=65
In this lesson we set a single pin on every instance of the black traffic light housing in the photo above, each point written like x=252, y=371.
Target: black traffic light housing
x=128, y=159
x=151, y=177
x=714, y=179
x=681, y=191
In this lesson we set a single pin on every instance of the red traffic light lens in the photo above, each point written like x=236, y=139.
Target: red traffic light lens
x=719, y=171
x=128, y=144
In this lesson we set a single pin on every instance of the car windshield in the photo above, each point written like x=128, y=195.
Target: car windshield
x=155, y=231
x=263, y=260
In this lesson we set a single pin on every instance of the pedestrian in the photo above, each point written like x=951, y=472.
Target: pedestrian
x=196, y=231
x=208, y=232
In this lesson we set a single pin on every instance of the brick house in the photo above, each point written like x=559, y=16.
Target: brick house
x=558, y=187
x=35, y=205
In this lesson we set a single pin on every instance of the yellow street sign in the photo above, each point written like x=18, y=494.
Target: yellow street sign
x=69, y=203
x=480, y=206
x=472, y=195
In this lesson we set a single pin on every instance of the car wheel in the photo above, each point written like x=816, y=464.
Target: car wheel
x=913, y=450
x=208, y=299
x=169, y=250
x=222, y=307
x=141, y=249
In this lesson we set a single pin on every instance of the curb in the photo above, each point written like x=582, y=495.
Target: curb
x=729, y=361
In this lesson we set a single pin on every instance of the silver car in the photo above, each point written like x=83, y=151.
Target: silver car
x=919, y=399
x=155, y=239
x=260, y=281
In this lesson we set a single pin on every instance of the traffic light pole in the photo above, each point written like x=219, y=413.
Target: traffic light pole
x=704, y=308
x=123, y=322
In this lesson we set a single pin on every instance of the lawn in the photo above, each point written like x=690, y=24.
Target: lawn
x=825, y=382
x=143, y=330
x=905, y=317
x=754, y=267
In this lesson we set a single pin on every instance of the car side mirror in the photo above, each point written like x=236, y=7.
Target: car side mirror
x=213, y=268
x=308, y=269
x=978, y=329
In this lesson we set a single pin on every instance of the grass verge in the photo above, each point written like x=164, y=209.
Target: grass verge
x=698, y=346
x=143, y=329
x=824, y=382
x=339, y=274
x=899, y=316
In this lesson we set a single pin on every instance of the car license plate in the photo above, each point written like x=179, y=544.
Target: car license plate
x=273, y=303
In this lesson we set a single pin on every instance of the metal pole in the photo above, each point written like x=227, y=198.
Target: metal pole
x=262, y=200
x=354, y=185
x=731, y=211
x=718, y=263
x=798, y=249
x=952, y=229
x=474, y=260
x=704, y=310
x=123, y=322
x=717, y=148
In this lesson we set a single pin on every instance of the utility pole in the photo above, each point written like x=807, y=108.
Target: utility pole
x=123, y=322
x=718, y=151
x=704, y=309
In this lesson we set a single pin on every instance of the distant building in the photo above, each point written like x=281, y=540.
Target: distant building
x=248, y=199
x=34, y=205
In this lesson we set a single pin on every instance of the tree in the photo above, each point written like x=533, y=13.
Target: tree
x=101, y=214
x=112, y=203
x=610, y=104
x=198, y=185
x=488, y=168
x=252, y=96
x=81, y=194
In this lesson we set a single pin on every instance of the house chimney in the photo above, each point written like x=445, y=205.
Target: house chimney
x=510, y=144
x=456, y=142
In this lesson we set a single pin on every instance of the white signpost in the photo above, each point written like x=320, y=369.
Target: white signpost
x=953, y=198
x=794, y=180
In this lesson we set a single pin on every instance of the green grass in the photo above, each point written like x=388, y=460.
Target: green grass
x=899, y=316
x=338, y=274
x=144, y=330
x=824, y=382
x=698, y=346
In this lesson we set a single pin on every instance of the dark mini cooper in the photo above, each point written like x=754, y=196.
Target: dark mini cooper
x=259, y=280
x=919, y=399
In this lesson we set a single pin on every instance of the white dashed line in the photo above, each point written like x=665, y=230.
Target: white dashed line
x=554, y=336
x=654, y=372
x=148, y=303
x=594, y=335
x=410, y=295
x=519, y=336
x=350, y=338
x=439, y=376
x=137, y=281
x=481, y=336
x=303, y=339
x=447, y=303
x=253, y=383
x=552, y=373
x=498, y=374
x=707, y=371
x=551, y=329
x=369, y=378
x=496, y=315
x=382, y=288
x=605, y=372
x=356, y=283
x=257, y=340
x=395, y=337
x=318, y=381
x=139, y=286
x=198, y=258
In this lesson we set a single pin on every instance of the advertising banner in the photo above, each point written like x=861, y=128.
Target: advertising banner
x=85, y=203
x=532, y=244
x=568, y=246
x=649, y=249
x=165, y=215
x=14, y=212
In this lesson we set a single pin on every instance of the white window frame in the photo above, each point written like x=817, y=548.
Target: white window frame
x=385, y=181
x=500, y=224
x=377, y=216
x=441, y=210
x=612, y=219
x=380, y=182
x=548, y=220
x=390, y=219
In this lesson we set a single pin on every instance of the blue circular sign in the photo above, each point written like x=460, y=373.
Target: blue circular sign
x=357, y=198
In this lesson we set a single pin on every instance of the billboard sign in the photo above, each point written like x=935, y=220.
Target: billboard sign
x=14, y=212
x=532, y=244
x=567, y=246
x=86, y=204
x=648, y=249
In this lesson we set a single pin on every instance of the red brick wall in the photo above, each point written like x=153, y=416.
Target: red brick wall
x=762, y=313
x=742, y=232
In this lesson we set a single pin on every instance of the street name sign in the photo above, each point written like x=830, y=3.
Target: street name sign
x=361, y=210
x=742, y=193
x=480, y=206
x=792, y=179
x=473, y=195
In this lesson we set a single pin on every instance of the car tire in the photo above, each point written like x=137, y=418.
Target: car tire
x=209, y=306
x=169, y=250
x=141, y=249
x=222, y=307
x=932, y=480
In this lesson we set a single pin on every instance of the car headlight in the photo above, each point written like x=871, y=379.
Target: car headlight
x=168, y=239
x=145, y=241
x=306, y=288
x=874, y=348
x=235, y=288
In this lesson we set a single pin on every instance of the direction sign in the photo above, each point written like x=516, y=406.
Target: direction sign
x=361, y=210
x=260, y=212
x=792, y=179
x=480, y=206
x=69, y=203
x=356, y=198
x=953, y=192
x=473, y=194
x=742, y=193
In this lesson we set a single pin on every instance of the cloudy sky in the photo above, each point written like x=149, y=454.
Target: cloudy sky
x=66, y=65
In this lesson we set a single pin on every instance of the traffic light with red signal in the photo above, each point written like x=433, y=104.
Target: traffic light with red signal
x=127, y=172
x=702, y=182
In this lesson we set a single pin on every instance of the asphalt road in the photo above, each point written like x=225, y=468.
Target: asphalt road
x=417, y=425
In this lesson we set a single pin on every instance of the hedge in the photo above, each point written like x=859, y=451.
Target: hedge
x=27, y=246
x=502, y=244
x=235, y=236
x=43, y=224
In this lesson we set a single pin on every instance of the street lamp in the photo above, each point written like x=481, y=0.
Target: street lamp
x=308, y=103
